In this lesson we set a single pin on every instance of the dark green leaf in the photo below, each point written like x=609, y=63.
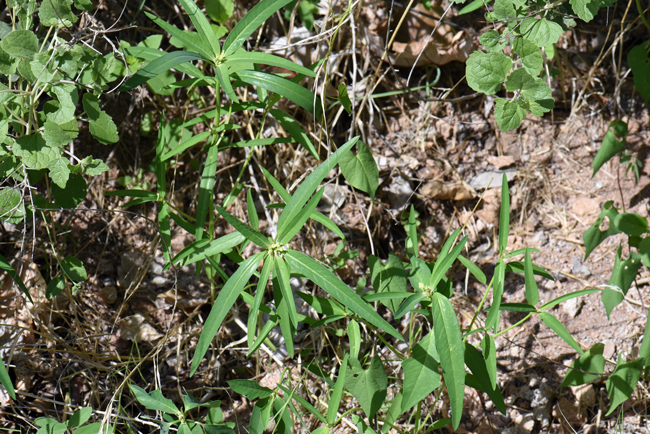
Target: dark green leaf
x=613, y=143
x=586, y=368
x=360, y=170
x=622, y=382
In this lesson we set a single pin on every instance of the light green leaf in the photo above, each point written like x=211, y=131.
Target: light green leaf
x=566, y=297
x=541, y=32
x=248, y=232
x=473, y=268
x=354, y=336
x=34, y=152
x=222, y=305
x=269, y=59
x=259, y=298
x=59, y=171
x=101, y=125
x=586, y=368
x=50, y=426
x=154, y=400
x=57, y=13
x=337, y=392
x=5, y=380
x=251, y=21
x=151, y=54
x=446, y=260
x=368, y=386
x=532, y=292
x=299, y=220
x=20, y=43
x=158, y=66
x=493, y=317
x=504, y=215
x=560, y=330
x=594, y=235
x=202, y=25
x=509, y=8
x=55, y=136
x=486, y=71
x=219, y=10
x=508, y=114
x=294, y=128
x=192, y=44
x=390, y=278
x=490, y=357
x=80, y=417
x=73, y=269
x=206, y=188
x=250, y=389
x=281, y=86
x=95, y=428
x=631, y=224
x=282, y=273
x=344, y=99
x=260, y=415
x=449, y=344
x=530, y=54
x=421, y=375
x=493, y=41
x=586, y=9
x=360, y=170
x=223, y=75
x=67, y=96
x=622, y=382
x=308, y=187
x=12, y=205
x=324, y=278
x=302, y=401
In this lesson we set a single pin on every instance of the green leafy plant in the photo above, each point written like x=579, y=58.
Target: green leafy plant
x=183, y=420
x=530, y=29
x=76, y=424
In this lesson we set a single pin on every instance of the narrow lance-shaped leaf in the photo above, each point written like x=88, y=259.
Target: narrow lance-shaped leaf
x=449, y=343
x=251, y=21
x=203, y=27
x=282, y=273
x=259, y=297
x=493, y=317
x=222, y=305
x=308, y=187
x=324, y=278
x=270, y=59
x=281, y=86
x=504, y=219
x=189, y=43
x=158, y=66
x=532, y=293
x=561, y=331
x=205, y=189
x=5, y=380
x=247, y=231
x=300, y=218
x=337, y=393
x=283, y=310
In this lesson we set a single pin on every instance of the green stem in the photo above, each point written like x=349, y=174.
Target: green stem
x=642, y=14
x=514, y=325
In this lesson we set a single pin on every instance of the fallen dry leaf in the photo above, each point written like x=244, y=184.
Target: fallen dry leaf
x=447, y=190
x=135, y=328
x=501, y=162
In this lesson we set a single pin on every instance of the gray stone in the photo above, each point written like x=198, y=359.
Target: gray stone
x=398, y=192
x=493, y=179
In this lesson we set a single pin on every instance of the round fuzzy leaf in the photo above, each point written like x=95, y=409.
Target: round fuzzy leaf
x=486, y=71
x=12, y=207
x=492, y=41
x=530, y=54
x=541, y=32
x=20, y=43
x=73, y=269
x=73, y=194
x=508, y=114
